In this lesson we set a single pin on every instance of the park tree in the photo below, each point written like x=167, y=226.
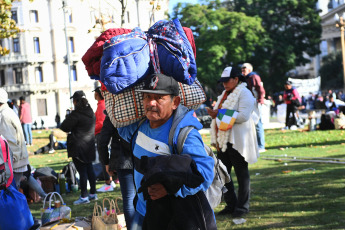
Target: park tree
x=222, y=37
x=331, y=71
x=8, y=27
x=293, y=28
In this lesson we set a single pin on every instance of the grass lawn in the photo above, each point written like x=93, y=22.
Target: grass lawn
x=284, y=194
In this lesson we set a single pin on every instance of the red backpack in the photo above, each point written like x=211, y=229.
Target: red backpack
x=6, y=172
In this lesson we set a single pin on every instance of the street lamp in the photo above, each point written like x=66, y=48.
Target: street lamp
x=339, y=22
x=64, y=7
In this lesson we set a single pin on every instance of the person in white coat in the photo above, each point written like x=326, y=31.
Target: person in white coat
x=11, y=129
x=237, y=146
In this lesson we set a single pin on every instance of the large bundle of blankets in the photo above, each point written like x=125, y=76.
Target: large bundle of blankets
x=121, y=59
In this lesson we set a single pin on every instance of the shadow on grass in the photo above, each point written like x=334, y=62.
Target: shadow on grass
x=339, y=142
x=300, y=199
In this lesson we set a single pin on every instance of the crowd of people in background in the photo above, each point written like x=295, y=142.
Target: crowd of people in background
x=324, y=100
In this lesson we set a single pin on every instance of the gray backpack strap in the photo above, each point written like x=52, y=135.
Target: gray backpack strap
x=182, y=136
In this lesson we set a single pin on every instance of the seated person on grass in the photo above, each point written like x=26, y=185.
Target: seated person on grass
x=52, y=146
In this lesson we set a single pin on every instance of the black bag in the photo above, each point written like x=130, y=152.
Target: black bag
x=70, y=173
x=45, y=171
x=326, y=122
x=296, y=103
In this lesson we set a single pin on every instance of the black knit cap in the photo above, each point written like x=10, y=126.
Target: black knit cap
x=160, y=84
x=78, y=94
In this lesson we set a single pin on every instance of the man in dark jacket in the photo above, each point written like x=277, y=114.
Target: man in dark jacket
x=80, y=126
x=255, y=85
x=121, y=162
x=292, y=100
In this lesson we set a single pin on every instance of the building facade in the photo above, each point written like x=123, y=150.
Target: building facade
x=37, y=64
x=330, y=38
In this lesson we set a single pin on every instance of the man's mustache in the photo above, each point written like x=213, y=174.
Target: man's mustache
x=153, y=109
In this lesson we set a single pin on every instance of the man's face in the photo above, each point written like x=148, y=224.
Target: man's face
x=159, y=108
x=245, y=71
x=287, y=87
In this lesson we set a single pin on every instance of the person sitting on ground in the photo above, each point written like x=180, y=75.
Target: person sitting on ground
x=331, y=104
x=53, y=145
x=32, y=183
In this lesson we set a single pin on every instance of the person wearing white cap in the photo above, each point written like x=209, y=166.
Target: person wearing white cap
x=11, y=129
x=236, y=145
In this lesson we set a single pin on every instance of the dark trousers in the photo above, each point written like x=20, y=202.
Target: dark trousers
x=104, y=171
x=86, y=172
x=290, y=109
x=232, y=158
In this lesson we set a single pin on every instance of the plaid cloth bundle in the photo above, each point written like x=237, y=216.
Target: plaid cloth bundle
x=127, y=107
x=226, y=119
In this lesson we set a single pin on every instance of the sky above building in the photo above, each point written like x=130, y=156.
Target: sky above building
x=172, y=3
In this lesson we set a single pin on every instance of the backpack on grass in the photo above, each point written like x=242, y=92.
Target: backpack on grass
x=6, y=172
x=70, y=173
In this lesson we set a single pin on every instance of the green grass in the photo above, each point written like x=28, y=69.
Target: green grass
x=309, y=196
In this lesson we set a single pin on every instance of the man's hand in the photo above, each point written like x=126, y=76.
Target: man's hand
x=212, y=112
x=111, y=173
x=157, y=191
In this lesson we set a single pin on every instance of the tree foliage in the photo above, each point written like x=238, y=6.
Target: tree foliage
x=222, y=37
x=331, y=71
x=8, y=27
x=293, y=28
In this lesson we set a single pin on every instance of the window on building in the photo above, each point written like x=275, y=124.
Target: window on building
x=71, y=44
x=1, y=44
x=14, y=16
x=37, y=49
x=39, y=74
x=92, y=17
x=128, y=17
x=2, y=77
x=42, y=107
x=74, y=73
x=18, y=76
x=70, y=18
x=34, y=16
x=16, y=47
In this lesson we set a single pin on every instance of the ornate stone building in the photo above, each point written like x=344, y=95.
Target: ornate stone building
x=37, y=64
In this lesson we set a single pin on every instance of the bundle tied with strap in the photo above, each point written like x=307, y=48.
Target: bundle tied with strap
x=132, y=55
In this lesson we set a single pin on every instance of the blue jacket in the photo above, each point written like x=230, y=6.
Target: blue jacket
x=193, y=146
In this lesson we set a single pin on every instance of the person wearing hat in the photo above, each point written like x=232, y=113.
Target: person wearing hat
x=150, y=140
x=292, y=101
x=237, y=145
x=80, y=126
x=11, y=129
x=100, y=116
x=255, y=85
